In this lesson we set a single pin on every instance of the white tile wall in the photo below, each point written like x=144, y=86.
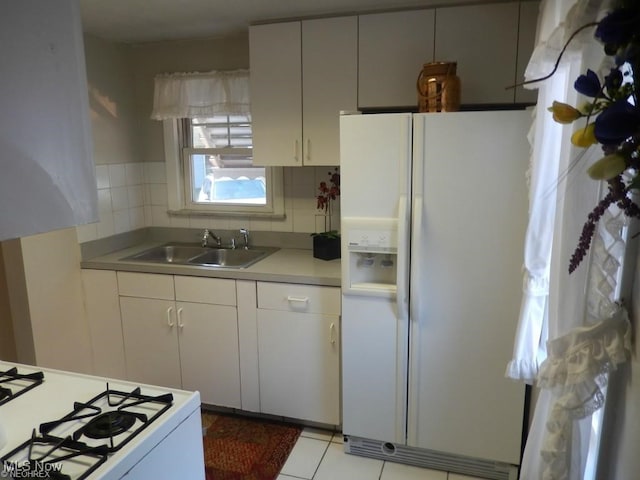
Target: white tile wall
x=134, y=195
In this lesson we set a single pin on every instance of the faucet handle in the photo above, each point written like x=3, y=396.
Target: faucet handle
x=245, y=235
x=204, y=237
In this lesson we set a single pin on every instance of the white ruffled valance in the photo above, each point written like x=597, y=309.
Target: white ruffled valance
x=189, y=95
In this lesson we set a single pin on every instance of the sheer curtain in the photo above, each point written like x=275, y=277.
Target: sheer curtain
x=571, y=331
x=189, y=95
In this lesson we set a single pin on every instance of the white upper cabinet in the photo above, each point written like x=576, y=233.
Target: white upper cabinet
x=329, y=85
x=302, y=75
x=276, y=93
x=483, y=40
x=46, y=153
x=392, y=49
x=491, y=44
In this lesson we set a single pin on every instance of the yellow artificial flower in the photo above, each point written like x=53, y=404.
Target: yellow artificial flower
x=584, y=137
x=564, y=113
x=607, y=167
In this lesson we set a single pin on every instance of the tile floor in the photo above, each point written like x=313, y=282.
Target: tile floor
x=319, y=455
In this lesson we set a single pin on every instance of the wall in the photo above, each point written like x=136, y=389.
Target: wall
x=129, y=146
x=7, y=346
x=47, y=301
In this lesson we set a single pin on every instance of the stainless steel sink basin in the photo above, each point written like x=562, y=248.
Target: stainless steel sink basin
x=168, y=254
x=201, y=256
x=226, y=257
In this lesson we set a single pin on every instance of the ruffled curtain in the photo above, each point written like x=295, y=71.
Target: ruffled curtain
x=571, y=331
x=189, y=95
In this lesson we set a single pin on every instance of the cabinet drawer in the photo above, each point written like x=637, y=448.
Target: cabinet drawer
x=298, y=298
x=147, y=285
x=217, y=291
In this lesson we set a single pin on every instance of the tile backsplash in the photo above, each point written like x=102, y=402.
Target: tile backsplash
x=134, y=195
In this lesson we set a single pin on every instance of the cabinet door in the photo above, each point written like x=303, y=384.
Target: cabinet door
x=329, y=85
x=299, y=365
x=483, y=39
x=209, y=358
x=276, y=93
x=150, y=341
x=392, y=49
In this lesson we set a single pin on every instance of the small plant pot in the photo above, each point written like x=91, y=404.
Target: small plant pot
x=326, y=248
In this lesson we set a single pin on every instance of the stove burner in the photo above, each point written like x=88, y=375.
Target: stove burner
x=109, y=424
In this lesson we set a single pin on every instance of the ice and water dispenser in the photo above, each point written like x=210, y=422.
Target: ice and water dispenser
x=371, y=247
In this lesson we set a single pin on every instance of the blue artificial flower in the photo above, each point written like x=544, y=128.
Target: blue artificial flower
x=618, y=27
x=588, y=84
x=618, y=122
x=613, y=81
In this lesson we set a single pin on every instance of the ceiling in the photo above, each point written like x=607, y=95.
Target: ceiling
x=133, y=21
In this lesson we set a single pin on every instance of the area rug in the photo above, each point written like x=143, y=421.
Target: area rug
x=241, y=448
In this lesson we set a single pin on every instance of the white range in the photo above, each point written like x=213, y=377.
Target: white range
x=63, y=425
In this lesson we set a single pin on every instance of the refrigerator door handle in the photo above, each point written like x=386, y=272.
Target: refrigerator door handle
x=403, y=259
x=417, y=235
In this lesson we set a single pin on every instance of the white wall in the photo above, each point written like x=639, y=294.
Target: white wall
x=45, y=292
x=128, y=145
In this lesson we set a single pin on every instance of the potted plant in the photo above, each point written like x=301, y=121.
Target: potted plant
x=326, y=245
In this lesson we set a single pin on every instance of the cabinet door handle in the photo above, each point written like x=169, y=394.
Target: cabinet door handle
x=169, y=319
x=332, y=333
x=296, y=149
x=307, y=155
x=180, y=322
x=292, y=299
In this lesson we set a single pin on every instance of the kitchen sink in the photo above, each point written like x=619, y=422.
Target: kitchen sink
x=201, y=256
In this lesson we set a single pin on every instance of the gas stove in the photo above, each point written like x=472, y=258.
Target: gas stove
x=69, y=426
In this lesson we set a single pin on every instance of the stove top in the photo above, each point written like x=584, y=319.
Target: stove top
x=63, y=425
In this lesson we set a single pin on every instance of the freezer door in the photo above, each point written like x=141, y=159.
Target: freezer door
x=374, y=371
x=375, y=156
x=469, y=219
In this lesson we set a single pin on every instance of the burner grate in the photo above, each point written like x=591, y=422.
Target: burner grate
x=14, y=384
x=45, y=456
x=113, y=416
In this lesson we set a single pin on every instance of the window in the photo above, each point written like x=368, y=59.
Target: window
x=216, y=172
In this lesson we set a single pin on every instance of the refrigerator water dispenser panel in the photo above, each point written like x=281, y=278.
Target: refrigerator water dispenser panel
x=372, y=256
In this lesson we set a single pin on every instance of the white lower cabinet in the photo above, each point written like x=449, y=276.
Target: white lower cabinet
x=299, y=351
x=182, y=332
x=265, y=347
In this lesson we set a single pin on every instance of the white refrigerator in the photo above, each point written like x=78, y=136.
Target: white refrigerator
x=433, y=217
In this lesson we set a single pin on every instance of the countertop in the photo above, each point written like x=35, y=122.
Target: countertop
x=285, y=265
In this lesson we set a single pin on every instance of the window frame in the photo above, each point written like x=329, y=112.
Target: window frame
x=178, y=171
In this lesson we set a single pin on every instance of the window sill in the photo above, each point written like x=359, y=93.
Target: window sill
x=202, y=213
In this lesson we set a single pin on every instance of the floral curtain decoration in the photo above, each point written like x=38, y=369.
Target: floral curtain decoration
x=189, y=95
x=570, y=339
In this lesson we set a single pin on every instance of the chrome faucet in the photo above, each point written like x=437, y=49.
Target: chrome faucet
x=209, y=234
x=245, y=235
